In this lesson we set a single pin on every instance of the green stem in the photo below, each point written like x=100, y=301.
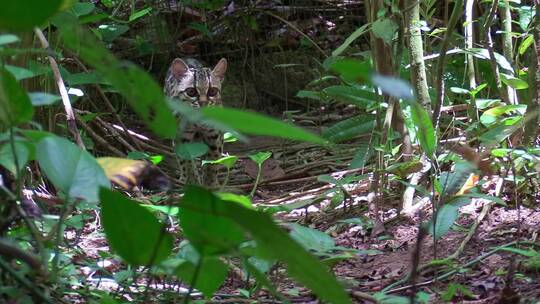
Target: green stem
x=226, y=181
x=256, y=181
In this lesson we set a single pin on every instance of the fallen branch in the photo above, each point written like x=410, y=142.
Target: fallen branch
x=70, y=120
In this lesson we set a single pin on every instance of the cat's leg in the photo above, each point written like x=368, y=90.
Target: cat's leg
x=214, y=140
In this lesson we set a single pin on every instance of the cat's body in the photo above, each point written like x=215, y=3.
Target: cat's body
x=189, y=81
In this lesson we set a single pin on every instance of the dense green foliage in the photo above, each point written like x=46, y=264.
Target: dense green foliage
x=204, y=236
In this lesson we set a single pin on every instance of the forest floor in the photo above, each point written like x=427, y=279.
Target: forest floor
x=478, y=274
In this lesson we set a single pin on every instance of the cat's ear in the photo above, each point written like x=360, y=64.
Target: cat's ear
x=220, y=68
x=179, y=68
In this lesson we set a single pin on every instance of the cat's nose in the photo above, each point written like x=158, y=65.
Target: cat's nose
x=203, y=99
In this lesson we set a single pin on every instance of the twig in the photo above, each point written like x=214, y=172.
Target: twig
x=25, y=282
x=70, y=120
x=472, y=230
x=11, y=251
x=456, y=12
x=107, y=103
x=99, y=139
x=489, y=45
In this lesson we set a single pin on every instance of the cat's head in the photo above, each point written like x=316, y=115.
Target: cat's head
x=195, y=84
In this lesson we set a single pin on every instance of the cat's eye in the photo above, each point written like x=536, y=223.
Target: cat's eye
x=212, y=92
x=191, y=92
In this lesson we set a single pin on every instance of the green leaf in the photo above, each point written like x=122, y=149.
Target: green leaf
x=15, y=106
x=7, y=159
x=227, y=161
x=385, y=29
x=526, y=14
x=212, y=273
x=352, y=37
x=190, y=151
x=203, y=225
x=8, y=38
x=143, y=94
x=312, y=239
x=85, y=78
x=462, y=91
x=138, y=14
x=452, y=182
x=82, y=8
x=350, y=128
x=484, y=54
x=20, y=73
x=201, y=28
x=492, y=115
x=525, y=44
x=240, y=199
x=132, y=231
x=352, y=70
x=528, y=253
x=272, y=243
x=24, y=15
x=487, y=197
x=514, y=82
x=169, y=210
x=361, y=157
x=500, y=131
x=43, y=99
x=72, y=170
x=360, y=97
x=309, y=94
x=109, y=32
x=328, y=179
x=260, y=157
x=423, y=128
x=257, y=124
x=446, y=216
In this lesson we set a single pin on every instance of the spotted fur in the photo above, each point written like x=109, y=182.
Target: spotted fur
x=189, y=81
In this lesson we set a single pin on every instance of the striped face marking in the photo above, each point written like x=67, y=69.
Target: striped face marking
x=189, y=81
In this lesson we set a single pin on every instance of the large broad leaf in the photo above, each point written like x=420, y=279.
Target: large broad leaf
x=361, y=156
x=446, y=216
x=484, y=54
x=15, y=106
x=350, y=128
x=20, y=73
x=362, y=98
x=352, y=70
x=514, y=82
x=141, y=91
x=502, y=130
x=491, y=116
x=7, y=159
x=424, y=130
x=24, y=15
x=312, y=239
x=452, y=182
x=109, y=32
x=190, y=151
x=43, y=99
x=211, y=274
x=357, y=33
x=272, y=242
x=257, y=124
x=71, y=169
x=8, y=38
x=204, y=226
x=133, y=231
x=385, y=29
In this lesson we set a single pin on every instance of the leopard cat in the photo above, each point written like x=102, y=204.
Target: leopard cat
x=189, y=81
